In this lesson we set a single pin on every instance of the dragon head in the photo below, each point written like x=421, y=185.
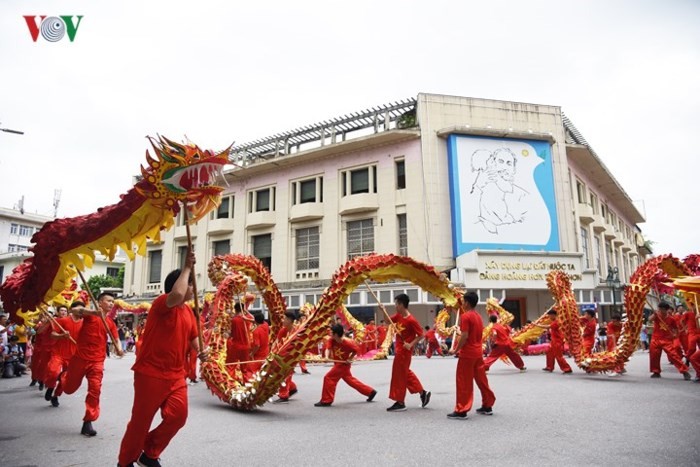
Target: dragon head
x=182, y=173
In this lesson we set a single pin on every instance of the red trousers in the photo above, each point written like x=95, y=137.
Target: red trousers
x=40, y=360
x=657, y=345
x=588, y=344
x=499, y=350
x=288, y=386
x=695, y=362
x=57, y=364
x=338, y=372
x=402, y=378
x=470, y=370
x=151, y=394
x=73, y=378
x=192, y=365
x=433, y=347
x=239, y=355
x=556, y=352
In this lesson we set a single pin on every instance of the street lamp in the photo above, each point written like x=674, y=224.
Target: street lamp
x=613, y=281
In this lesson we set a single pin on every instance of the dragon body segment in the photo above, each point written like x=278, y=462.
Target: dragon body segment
x=177, y=174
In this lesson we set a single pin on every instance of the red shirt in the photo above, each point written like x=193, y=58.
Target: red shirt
x=407, y=329
x=589, y=329
x=261, y=338
x=430, y=336
x=471, y=323
x=240, y=340
x=501, y=335
x=43, y=341
x=64, y=347
x=555, y=333
x=613, y=329
x=342, y=350
x=381, y=334
x=166, y=341
x=664, y=328
x=690, y=322
x=371, y=332
x=92, y=339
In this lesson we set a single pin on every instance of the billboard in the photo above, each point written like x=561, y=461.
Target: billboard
x=501, y=194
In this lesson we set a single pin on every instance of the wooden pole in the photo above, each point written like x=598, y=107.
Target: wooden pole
x=57, y=324
x=200, y=338
x=102, y=315
x=379, y=303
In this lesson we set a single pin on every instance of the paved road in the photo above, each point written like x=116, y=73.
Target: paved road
x=539, y=419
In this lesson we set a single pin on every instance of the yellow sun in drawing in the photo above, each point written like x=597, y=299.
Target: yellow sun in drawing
x=525, y=153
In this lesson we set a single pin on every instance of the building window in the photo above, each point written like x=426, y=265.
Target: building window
x=262, y=249
x=221, y=247
x=358, y=181
x=609, y=254
x=598, y=264
x=12, y=248
x=113, y=272
x=400, y=174
x=403, y=235
x=594, y=203
x=182, y=255
x=584, y=247
x=14, y=228
x=307, y=249
x=307, y=191
x=581, y=190
x=261, y=200
x=604, y=212
x=225, y=209
x=360, y=238
x=155, y=259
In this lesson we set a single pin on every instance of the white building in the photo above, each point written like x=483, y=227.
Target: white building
x=494, y=193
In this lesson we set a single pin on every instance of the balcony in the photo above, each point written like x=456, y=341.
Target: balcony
x=585, y=213
x=260, y=219
x=220, y=226
x=358, y=203
x=306, y=212
x=180, y=232
x=598, y=223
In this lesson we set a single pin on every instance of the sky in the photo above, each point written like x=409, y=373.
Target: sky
x=627, y=73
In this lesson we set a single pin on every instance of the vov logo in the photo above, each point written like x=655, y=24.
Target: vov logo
x=53, y=28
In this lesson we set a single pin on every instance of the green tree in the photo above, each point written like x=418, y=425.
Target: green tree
x=95, y=283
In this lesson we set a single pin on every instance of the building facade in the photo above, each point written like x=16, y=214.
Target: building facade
x=493, y=193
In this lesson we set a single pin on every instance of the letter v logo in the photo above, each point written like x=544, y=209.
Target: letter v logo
x=71, y=29
x=33, y=27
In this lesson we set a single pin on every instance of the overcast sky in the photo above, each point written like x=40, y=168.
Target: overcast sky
x=627, y=73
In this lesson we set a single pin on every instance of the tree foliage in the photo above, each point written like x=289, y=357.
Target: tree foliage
x=96, y=283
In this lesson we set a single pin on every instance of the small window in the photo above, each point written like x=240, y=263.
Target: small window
x=359, y=181
x=403, y=235
x=584, y=247
x=113, y=272
x=262, y=202
x=26, y=231
x=225, y=209
x=221, y=247
x=307, y=190
x=360, y=238
x=363, y=180
x=155, y=258
x=581, y=190
x=307, y=249
x=14, y=228
x=262, y=249
x=400, y=174
x=182, y=255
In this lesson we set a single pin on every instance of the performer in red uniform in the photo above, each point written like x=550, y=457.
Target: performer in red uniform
x=433, y=344
x=41, y=351
x=63, y=348
x=408, y=333
x=371, y=336
x=341, y=350
x=192, y=357
x=613, y=331
x=159, y=371
x=261, y=341
x=470, y=365
x=89, y=359
x=238, y=345
x=589, y=323
x=662, y=340
x=381, y=333
x=502, y=345
x=690, y=322
x=556, y=345
x=289, y=388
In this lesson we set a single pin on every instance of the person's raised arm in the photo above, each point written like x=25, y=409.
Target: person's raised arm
x=177, y=295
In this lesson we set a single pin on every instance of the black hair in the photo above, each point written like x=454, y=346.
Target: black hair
x=471, y=298
x=616, y=316
x=259, y=318
x=77, y=303
x=591, y=313
x=104, y=294
x=664, y=305
x=170, y=280
x=553, y=311
x=338, y=330
x=403, y=299
x=237, y=307
x=427, y=328
x=291, y=314
x=493, y=318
